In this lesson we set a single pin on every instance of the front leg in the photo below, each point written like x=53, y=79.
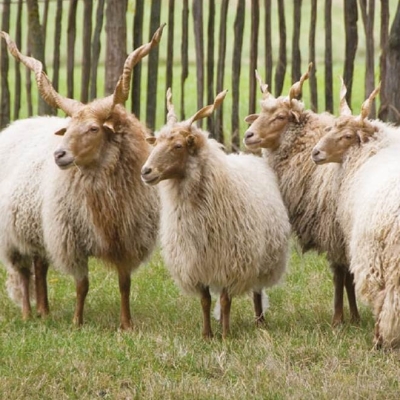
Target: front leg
x=42, y=302
x=351, y=296
x=338, y=281
x=82, y=288
x=25, y=276
x=206, y=308
x=257, y=300
x=124, y=280
x=226, y=302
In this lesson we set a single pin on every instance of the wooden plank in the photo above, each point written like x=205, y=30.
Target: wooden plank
x=311, y=58
x=170, y=50
x=268, y=45
x=351, y=43
x=86, y=49
x=210, y=62
x=184, y=53
x=296, y=54
x=152, y=70
x=17, y=64
x=4, y=64
x=384, y=39
x=96, y=48
x=57, y=44
x=137, y=70
x=71, y=36
x=197, y=10
x=282, y=61
x=255, y=21
x=236, y=67
x=328, y=57
x=219, y=120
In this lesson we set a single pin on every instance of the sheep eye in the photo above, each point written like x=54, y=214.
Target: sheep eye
x=328, y=129
x=280, y=116
x=93, y=129
x=348, y=136
x=178, y=146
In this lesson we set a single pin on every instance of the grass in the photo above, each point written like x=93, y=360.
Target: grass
x=297, y=355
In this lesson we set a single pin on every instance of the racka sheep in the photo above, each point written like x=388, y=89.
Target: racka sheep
x=91, y=200
x=223, y=224
x=368, y=210
x=287, y=133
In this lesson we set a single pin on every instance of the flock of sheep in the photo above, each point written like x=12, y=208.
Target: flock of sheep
x=99, y=184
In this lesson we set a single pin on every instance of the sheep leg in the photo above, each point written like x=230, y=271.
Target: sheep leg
x=351, y=297
x=226, y=311
x=25, y=275
x=206, y=307
x=257, y=300
x=42, y=302
x=82, y=288
x=124, y=280
x=338, y=280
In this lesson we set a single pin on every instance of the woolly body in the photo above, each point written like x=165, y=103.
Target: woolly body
x=103, y=210
x=224, y=224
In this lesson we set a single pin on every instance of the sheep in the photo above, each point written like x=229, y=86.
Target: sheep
x=287, y=133
x=76, y=194
x=223, y=225
x=368, y=210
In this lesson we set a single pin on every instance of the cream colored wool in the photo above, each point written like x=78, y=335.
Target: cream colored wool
x=66, y=216
x=224, y=224
x=369, y=212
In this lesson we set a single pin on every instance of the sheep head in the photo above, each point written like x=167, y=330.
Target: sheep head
x=91, y=125
x=348, y=131
x=175, y=143
x=276, y=113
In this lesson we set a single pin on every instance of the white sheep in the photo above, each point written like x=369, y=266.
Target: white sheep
x=80, y=195
x=369, y=210
x=223, y=224
x=287, y=133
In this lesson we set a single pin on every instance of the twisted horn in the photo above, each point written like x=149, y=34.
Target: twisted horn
x=366, y=106
x=208, y=110
x=121, y=91
x=344, y=107
x=46, y=89
x=171, y=116
x=263, y=86
x=295, y=90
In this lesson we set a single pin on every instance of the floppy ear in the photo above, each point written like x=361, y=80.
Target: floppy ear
x=61, y=132
x=251, y=118
x=151, y=140
x=109, y=124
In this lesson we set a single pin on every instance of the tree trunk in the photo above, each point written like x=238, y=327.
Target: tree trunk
x=382, y=59
x=5, y=90
x=328, y=57
x=392, y=82
x=115, y=42
x=296, y=55
x=281, y=67
x=255, y=22
x=311, y=58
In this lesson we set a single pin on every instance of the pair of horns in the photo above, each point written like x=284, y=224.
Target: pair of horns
x=365, y=107
x=70, y=106
x=202, y=113
x=294, y=91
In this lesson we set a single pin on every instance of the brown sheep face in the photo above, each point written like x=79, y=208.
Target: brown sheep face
x=83, y=140
x=347, y=132
x=169, y=156
x=267, y=127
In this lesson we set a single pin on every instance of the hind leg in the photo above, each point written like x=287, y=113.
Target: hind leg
x=226, y=303
x=25, y=275
x=42, y=303
x=351, y=297
x=205, y=299
x=258, y=310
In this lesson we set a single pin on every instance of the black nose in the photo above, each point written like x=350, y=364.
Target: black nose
x=315, y=152
x=248, y=135
x=146, y=170
x=59, y=154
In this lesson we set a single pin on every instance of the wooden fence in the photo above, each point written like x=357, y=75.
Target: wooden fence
x=207, y=46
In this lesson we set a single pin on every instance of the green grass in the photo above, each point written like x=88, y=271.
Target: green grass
x=297, y=355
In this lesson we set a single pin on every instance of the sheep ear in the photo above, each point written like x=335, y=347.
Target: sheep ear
x=190, y=140
x=151, y=140
x=295, y=115
x=109, y=124
x=61, y=132
x=251, y=118
x=362, y=136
